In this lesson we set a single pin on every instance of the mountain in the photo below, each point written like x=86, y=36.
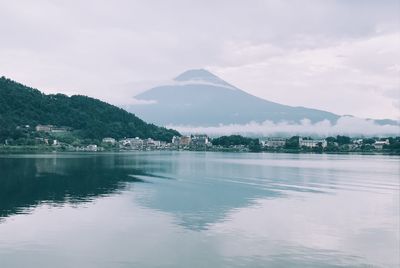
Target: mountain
x=89, y=118
x=200, y=98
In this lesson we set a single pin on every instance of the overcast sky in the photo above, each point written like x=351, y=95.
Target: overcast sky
x=340, y=56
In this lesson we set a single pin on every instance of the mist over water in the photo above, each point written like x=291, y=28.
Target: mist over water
x=345, y=125
x=181, y=209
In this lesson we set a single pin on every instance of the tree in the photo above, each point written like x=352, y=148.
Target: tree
x=341, y=140
x=292, y=143
x=233, y=140
x=368, y=141
x=330, y=139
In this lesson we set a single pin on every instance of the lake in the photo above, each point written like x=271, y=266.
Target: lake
x=197, y=209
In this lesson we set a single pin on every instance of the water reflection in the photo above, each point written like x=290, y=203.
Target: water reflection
x=55, y=179
x=198, y=210
x=199, y=189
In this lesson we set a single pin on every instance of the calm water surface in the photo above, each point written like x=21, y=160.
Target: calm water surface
x=186, y=209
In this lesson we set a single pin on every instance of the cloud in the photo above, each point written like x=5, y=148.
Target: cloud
x=333, y=55
x=357, y=76
x=345, y=125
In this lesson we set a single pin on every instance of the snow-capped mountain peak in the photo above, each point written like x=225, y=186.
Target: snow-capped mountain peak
x=201, y=76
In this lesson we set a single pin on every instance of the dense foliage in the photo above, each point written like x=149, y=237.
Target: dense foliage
x=89, y=118
x=394, y=145
x=237, y=140
x=292, y=143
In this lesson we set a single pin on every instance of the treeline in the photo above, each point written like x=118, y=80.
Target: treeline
x=332, y=144
x=339, y=143
x=89, y=118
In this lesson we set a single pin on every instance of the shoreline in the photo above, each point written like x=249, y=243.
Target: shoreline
x=45, y=149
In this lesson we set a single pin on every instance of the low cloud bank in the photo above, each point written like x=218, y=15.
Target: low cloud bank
x=351, y=126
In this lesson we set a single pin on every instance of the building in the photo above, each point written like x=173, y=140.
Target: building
x=109, y=140
x=358, y=141
x=379, y=144
x=200, y=140
x=275, y=142
x=136, y=143
x=132, y=143
x=44, y=128
x=185, y=141
x=151, y=144
x=52, y=129
x=175, y=140
x=59, y=129
x=312, y=143
x=91, y=148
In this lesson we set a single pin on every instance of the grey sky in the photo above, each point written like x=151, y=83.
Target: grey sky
x=340, y=56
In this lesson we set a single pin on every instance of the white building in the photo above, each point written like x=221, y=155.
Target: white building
x=379, y=144
x=275, y=142
x=312, y=143
x=358, y=141
x=152, y=143
x=176, y=140
x=109, y=140
x=60, y=129
x=91, y=147
x=200, y=139
x=136, y=143
x=51, y=128
x=132, y=143
x=44, y=128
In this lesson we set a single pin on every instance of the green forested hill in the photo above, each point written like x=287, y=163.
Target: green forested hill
x=88, y=117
